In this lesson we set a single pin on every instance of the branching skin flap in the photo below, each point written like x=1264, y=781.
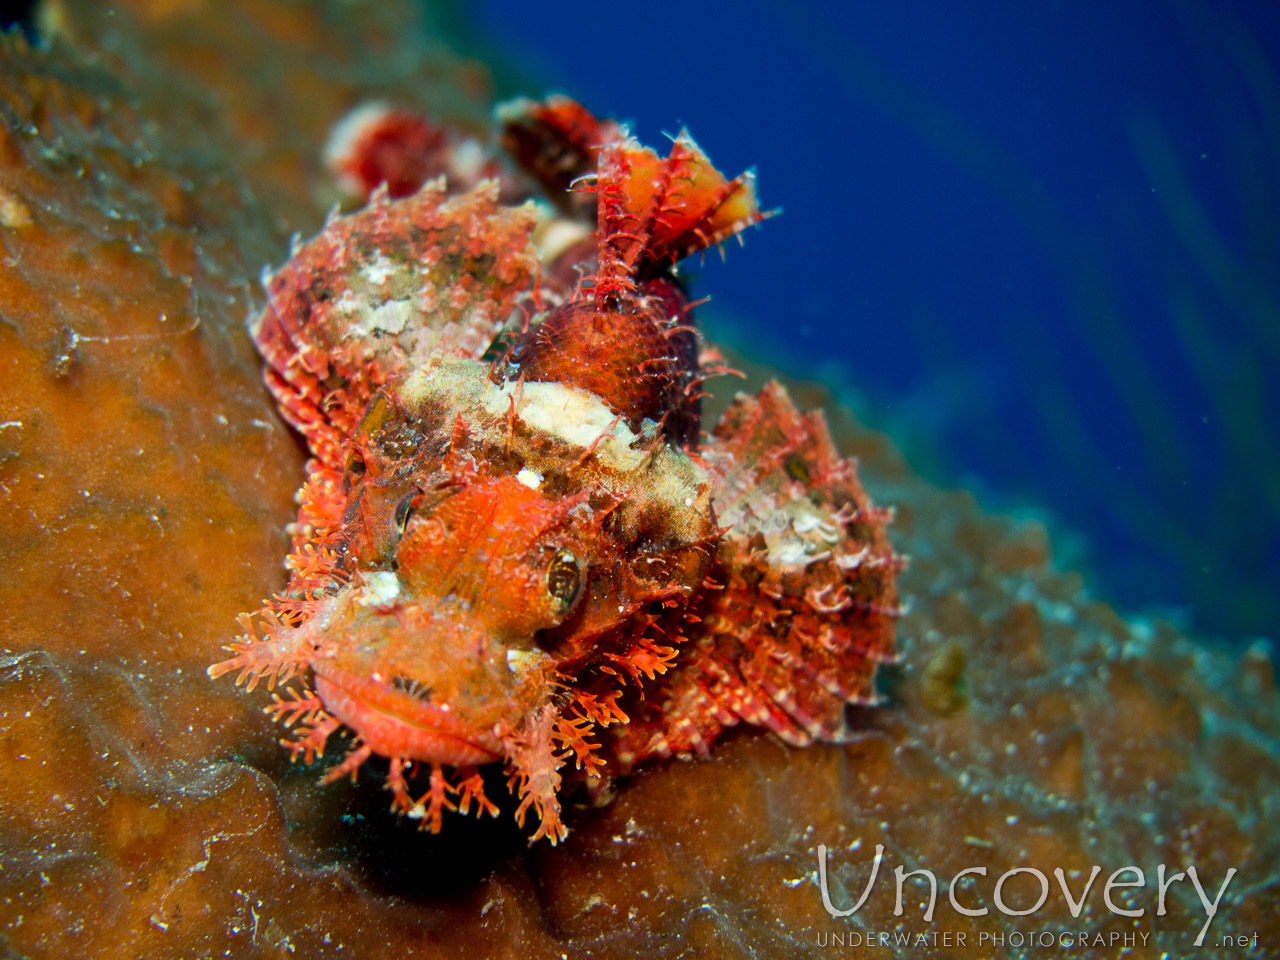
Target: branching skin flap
x=514, y=544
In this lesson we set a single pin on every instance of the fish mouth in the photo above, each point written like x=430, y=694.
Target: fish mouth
x=396, y=724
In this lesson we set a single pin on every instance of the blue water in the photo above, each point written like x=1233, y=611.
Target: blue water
x=1039, y=242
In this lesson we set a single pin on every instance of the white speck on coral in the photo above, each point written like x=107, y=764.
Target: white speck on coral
x=529, y=478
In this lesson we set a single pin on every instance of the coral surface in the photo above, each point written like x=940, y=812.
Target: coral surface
x=152, y=161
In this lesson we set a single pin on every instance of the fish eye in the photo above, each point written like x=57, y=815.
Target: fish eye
x=405, y=510
x=355, y=464
x=564, y=579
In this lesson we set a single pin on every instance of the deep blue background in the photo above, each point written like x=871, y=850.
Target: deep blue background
x=1039, y=242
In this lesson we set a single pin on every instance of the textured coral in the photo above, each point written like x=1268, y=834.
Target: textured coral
x=146, y=812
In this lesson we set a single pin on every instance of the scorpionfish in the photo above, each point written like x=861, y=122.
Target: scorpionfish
x=515, y=545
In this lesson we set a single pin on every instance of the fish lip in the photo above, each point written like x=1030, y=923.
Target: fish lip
x=395, y=725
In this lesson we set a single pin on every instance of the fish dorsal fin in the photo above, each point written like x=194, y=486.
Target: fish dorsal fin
x=653, y=211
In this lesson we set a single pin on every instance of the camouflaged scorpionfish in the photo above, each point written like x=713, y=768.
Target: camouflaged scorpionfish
x=514, y=544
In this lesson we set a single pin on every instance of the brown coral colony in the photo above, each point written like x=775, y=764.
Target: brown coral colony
x=514, y=544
